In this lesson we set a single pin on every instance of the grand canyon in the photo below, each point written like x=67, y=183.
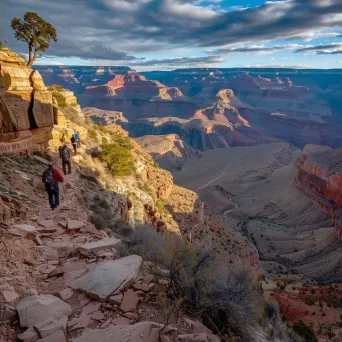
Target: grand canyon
x=201, y=196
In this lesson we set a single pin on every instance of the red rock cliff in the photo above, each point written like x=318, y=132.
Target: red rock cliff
x=26, y=108
x=320, y=179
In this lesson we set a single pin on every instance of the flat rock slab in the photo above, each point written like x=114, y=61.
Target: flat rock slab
x=47, y=223
x=76, y=266
x=57, y=336
x=142, y=287
x=40, y=159
x=116, y=299
x=35, y=309
x=120, y=321
x=98, y=245
x=74, y=225
x=140, y=332
x=102, y=280
x=24, y=227
x=29, y=334
x=91, y=307
x=9, y=296
x=70, y=277
x=82, y=323
x=129, y=302
x=50, y=326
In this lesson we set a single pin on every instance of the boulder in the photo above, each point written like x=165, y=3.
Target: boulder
x=102, y=280
x=140, y=332
x=98, y=245
x=129, y=302
x=35, y=309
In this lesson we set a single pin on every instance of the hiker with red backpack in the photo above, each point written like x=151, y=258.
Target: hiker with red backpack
x=51, y=177
x=65, y=156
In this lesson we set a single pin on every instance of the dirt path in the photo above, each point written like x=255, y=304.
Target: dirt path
x=230, y=210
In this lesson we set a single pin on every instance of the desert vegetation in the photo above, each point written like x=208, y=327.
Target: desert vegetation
x=227, y=299
x=118, y=156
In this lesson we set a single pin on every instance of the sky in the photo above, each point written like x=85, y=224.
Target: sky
x=170, y=34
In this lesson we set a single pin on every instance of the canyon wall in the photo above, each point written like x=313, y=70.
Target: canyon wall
x=26, y=106
x=320, y=179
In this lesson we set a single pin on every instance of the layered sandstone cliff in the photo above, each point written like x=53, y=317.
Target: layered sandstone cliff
x=26, y=108
x=320, y=179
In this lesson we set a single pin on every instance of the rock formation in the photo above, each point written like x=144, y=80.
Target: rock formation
x=26, y=110
x=320, y=179
x=169, y=151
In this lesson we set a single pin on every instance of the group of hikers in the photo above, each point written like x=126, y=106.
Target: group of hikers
x=51, y=176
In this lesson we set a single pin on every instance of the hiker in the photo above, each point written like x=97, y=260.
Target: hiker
x=78, y=139
x=74, y=144
x=64, y=154
x=51, y=177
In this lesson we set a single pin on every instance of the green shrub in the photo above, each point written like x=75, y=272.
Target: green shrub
x=118, y=156
x=305, y=331
x=56, y=87
x=60, y=99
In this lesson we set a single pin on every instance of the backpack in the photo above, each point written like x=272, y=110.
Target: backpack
x=65, y=155
x=49, y=178
x=73, y=140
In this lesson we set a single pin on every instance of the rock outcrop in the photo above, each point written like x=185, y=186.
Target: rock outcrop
x=168, y=150
x=26, y=107
x=320, y=179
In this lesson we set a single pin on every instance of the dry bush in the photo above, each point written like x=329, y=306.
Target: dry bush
x=224, y=299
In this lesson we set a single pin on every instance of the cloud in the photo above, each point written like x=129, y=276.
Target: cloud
x=254, y=49
x=125, y=30
x=182, y=61
x=323, y=49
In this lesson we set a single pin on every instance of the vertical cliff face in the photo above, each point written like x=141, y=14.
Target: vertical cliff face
x=320, y=179
x=26, y=110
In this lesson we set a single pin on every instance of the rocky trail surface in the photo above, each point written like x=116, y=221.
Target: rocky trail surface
x=63, y=280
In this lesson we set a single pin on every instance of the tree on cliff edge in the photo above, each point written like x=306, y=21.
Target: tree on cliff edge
x=36, y=32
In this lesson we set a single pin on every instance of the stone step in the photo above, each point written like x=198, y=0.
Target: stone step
x=98, y=245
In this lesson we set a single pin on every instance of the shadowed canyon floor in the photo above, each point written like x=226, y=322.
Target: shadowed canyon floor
x=259, y=184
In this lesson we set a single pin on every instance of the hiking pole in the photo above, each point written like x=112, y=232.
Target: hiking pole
x=66, y=198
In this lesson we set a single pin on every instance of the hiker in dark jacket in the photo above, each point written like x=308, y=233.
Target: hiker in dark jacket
x=64, y=154
x=74, y=143
x=51, y=177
